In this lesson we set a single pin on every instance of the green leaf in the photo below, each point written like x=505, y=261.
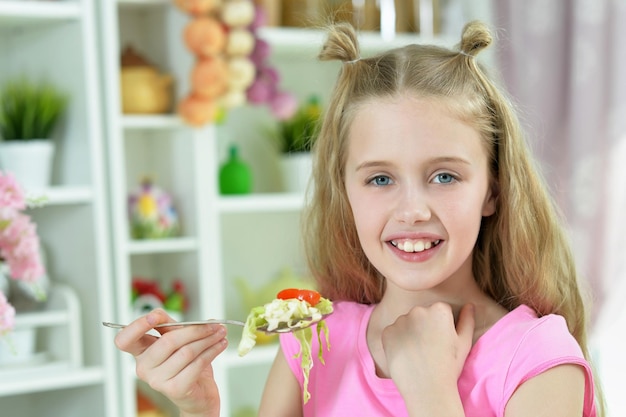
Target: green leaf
x=30, y=110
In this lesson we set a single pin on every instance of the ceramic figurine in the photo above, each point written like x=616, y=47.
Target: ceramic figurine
x=152, y=213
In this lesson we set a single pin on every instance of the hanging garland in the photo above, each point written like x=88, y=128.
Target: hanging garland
x=230, y=67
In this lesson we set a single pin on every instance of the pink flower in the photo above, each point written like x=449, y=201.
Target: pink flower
x=284, y=105
x=11, y=195
x=19, y=244
x=7, y=315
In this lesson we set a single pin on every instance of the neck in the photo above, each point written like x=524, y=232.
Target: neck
x=397, y=302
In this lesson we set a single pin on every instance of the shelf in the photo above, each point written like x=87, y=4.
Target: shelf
x=182, y=244
x=143, y=3
x=149, y=122
x=57, y=363
x=255, y=203
x=309, y=41
x=46, y=376
x=28, y=12
x=41, y=319
x=63, y=195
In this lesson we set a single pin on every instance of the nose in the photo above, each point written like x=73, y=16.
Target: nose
x=412, y=207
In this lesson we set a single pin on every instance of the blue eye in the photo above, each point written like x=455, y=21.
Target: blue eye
x=380, y=180
x=444, y=178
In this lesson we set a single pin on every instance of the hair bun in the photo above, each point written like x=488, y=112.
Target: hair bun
x=342, y=43
x=476, y=36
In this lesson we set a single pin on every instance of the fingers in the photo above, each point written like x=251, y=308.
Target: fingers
x=180, y=346
x=181, y=355
x=133, y=339
x=193, y=370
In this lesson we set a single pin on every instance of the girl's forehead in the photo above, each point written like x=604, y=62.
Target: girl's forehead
x=411, y=126
x=406, y=111
x=452, y=107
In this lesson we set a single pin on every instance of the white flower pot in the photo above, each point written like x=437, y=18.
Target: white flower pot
x=30, y=161
x=296, y=171
x=18, y=346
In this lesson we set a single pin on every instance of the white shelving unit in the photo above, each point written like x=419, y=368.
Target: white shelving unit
x=185, y=162
x=179, y=159
x=75, y=371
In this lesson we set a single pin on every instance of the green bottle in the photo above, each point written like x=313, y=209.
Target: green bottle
x=235, y=175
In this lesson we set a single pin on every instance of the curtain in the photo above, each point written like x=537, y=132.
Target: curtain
x=564, y=64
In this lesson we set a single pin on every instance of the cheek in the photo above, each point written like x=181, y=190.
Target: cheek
x=463, y=213
x=365, y=216
x=362, y=219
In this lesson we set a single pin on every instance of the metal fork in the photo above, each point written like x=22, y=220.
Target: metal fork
x=182, y=323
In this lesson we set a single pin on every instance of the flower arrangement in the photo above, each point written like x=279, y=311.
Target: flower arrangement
x=19, y=245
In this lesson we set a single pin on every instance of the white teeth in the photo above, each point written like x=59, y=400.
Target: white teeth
x=417, y=246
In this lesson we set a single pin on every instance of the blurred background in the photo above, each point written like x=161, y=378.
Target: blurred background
x=170, y=184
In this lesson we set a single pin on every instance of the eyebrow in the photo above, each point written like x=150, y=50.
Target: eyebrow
x=438, y=160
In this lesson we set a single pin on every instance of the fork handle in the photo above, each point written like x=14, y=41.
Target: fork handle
x=181, y=323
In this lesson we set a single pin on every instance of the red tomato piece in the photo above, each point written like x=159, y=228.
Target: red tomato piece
x=310, y=296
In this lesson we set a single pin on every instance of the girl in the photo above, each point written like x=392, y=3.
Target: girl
x=454, y=286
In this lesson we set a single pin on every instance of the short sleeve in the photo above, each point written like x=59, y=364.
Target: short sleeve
x=547, y=344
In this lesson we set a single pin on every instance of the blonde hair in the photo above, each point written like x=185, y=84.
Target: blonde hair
x=522, y=255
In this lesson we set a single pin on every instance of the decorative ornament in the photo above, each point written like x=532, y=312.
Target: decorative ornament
x=152, y=213
x=144, y=89
x=147, y=295
x=235, y=176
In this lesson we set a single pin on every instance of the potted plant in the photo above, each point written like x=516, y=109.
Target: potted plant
x=298, y=133
x=295, y=137
x=29, y=114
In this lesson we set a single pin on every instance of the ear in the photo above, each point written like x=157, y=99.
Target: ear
x=489, y=205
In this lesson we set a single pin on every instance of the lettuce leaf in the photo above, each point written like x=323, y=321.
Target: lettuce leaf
x=280, y=314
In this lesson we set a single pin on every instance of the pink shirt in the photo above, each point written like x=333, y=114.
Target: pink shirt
x=518, y=347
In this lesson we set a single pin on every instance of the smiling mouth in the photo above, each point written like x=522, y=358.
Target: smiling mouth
x=413, y=246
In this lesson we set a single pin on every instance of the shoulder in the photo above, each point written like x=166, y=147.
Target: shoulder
x=544, y=344
x=518, y=347
x=535, y=339
x=529, y=343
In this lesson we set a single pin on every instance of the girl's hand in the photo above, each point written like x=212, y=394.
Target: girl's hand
x=425, y=355
x=177, y=364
